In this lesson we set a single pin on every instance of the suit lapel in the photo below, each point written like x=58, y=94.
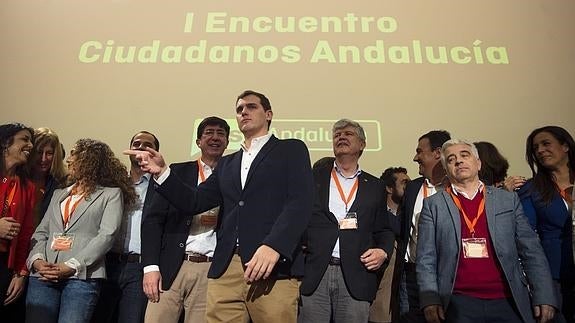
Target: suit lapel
x=361, y=185
x=57, y=209
x=323, y=189
x=490, y=212
x=83, y=206
x=149, y=196
x=236, y=168
x=272, y=142
x=454, y=213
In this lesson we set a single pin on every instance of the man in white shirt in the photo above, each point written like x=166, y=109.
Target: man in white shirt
x=266, y=192
x=176, y=277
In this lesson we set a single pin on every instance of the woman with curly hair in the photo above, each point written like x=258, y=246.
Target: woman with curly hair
x=17, y=199
x=547, y=202
x=67, y=260
x=47, y=168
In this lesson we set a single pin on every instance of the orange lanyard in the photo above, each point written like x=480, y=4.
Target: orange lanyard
x=566, y=197
x=9, y=198
x=201, y=172
x=425, y=190
x=340, y=189
x=470, y=224
x=69, y=210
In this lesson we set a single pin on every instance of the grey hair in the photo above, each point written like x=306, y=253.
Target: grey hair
x=344, y=123
x=453, y=142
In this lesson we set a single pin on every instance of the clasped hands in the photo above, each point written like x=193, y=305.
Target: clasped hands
x=52, y=272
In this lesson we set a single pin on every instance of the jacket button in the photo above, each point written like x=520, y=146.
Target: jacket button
x=188, y=222
x=181, y=244
x=241, y=203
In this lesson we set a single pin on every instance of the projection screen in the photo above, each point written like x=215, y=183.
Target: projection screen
x=484, y=70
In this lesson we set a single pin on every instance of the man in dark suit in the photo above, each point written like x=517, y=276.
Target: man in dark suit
x=427, y=155
x=348, y=237
x=265, y=191
x=181, y=274
x=122, y=298
x=478, y=260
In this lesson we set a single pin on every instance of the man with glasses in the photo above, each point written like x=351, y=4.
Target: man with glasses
x=176, y=275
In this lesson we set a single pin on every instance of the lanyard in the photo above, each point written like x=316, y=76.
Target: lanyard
x=340, y=189
x=9, y=198
x=566, y=197
x=69, y=210
x=470, y=224
x=201, y=172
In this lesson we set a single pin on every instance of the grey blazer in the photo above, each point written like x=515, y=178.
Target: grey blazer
x=94, y=223
x=439, y=247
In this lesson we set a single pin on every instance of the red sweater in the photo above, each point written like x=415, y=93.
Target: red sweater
x=479, y=277
x=21, y=209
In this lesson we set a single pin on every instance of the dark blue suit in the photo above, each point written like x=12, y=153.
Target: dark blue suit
x=552, y=221
x=273, y=208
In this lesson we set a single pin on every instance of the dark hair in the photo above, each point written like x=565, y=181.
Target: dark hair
x=156, y=141
x=543, y=179
x=265, y=102
x=7, y=133
x=493, y=165
x=436, y=138
x=388, y=176
x=213, y=121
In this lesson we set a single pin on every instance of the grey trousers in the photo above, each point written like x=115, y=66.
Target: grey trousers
x=331, y=302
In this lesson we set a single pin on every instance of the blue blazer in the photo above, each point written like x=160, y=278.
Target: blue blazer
x=439, y=248
x=552, y=222
x=273, y=208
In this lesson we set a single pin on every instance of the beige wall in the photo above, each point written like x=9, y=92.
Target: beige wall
x=46, y=81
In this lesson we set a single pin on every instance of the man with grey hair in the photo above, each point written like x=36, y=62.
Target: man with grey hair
x=471, y=237
x=348, y=237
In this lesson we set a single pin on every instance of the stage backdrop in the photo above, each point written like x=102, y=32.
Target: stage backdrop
x=484, y=70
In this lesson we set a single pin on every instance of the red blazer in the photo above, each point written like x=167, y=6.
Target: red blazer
x=21, y=209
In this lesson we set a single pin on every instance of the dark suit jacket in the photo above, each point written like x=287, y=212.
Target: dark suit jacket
x=439, y=249
x=553, y=224
x=323, y=230
x=273, y=208
x=406, y=215
x=165, y=229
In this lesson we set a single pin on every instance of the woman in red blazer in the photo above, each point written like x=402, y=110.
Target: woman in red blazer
x=17, y=200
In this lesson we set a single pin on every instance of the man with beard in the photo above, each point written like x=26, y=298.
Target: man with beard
x=176, y=277
x=348, y=237
x=382, y=309
x=122, y=298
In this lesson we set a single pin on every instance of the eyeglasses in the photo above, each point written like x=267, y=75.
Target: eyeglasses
x=214, y=132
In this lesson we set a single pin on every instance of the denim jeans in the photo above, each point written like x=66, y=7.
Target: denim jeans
x=331, y=301
x=122, y=297
x=71, y=300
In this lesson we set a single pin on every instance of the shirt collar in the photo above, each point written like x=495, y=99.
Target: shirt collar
x=145, y=177
x=458, y=191
x=356, y=174
x=256, y=142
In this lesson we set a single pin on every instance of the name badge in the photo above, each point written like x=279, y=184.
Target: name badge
x=349, y=222
x=210, y=218
x=62, y=241
x=475, y=248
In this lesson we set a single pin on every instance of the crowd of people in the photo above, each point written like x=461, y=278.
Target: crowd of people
x=260, y=235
